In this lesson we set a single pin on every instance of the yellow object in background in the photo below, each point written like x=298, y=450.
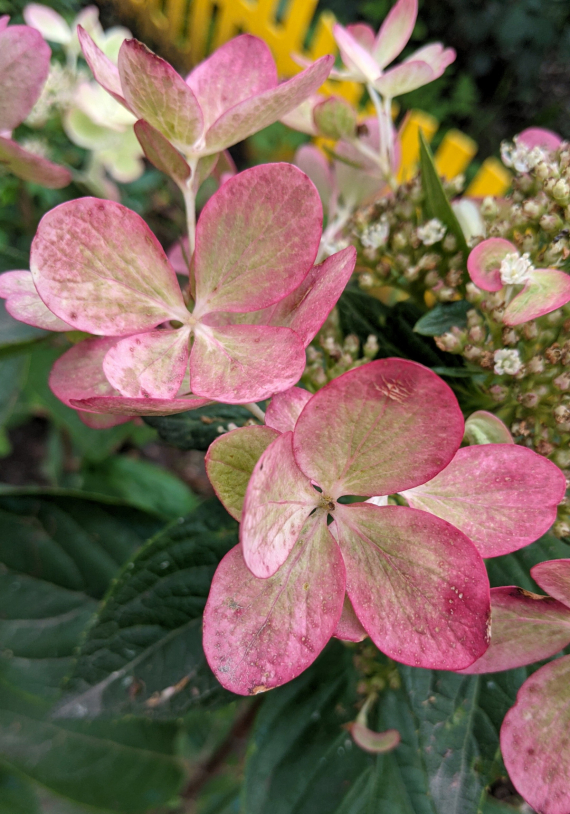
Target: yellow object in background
x=188, y=30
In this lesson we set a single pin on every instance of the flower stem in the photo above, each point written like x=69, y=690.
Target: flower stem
x=255, y=411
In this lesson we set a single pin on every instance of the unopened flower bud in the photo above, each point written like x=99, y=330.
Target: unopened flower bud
x=471, y=353
x=477, y=334
x=474, y=318
x=562, y=458
x=431, y=232
x=561, y=528
x=509, y=336
x=412, y=272
x=530, y=399
x=446, y=294
x=535, y=365
x=562, y=382
x=498, y=392
x=371, y=346
x=489, y=208
x=399, y=241
x=551, y=223
x=554, y=317
x=553, y=353
x=530, y=330
x=366, y=280
x=544, y=448
x=432, y=278
x=448, y=342
x=472, y=293
x=486, y=360
x=561, y=190
x=532, y=209
x=351, y=344
x=561, y=414
x=542, y=170
x=449, y=243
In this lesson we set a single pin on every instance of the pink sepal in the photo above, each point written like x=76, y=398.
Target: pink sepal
x=285, y=408
x=24, y=303
x=484, y=262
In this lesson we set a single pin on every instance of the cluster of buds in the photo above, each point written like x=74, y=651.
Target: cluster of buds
x=331, y=355
x=397, y=247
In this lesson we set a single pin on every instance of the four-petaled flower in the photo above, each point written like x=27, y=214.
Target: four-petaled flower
x=413, y=575
x=495, y=263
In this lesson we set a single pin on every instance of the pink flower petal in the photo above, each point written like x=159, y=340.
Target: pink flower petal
x=102, y=421
x=121, y=405
x=48, y=22
x=485, y=428
x=261, y=110
x=240, y=363
x=285, y=408
x=239, y=69
x=230, y=461
x=311, y=161
x=525, y=628
x=539, y=137
x=436, y=56
x=395, y=31
x=179, y=255
x=105, y=72
x=378, y=429
x=418, y=585
x=502, y=496
x=256, y=239
x=97, y=265
x=554, y=578
x=306, y=308
x=31, y=167
x=278, y=500
x=23, y=302
x=149, y=365
x=545, y=291
x=301, y=117
x=359, y=61
x=24, y=66
x=363, y=34
x=159, y=95
x=4, y=20
x=404, y=78
x=357, y=186
x=349, y=628
x=161, y=153
x=484, y=262
x=374, y=742
x=261, y=633
x=534, y=739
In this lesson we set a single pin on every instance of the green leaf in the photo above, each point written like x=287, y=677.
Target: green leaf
x=146, y=639
x=13, y=372
x=16, y=795
x=436, y=204
x=443, y=317
x=196, y=429
x=14, y=334
x=514, y=569
x=142, y=484
x=58, y=553
x=301, y=760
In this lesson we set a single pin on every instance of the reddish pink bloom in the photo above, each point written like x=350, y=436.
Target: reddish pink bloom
x=229, y=96
x=24, y=66
x=496, y=264
x=416, y=584
x=527, y=627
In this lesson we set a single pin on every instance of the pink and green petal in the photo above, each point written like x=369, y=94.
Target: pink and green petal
x=418, y=585
x=301, y=117
x=306, y=308
x=256, y=239
x=554, y=578
x=230, y=461
x=23, y=302
x=369, y=432
x=261, y=633
x=24, y=66
x=436, y=56
x=535, y=739
x=238, y=70
x=159, y=95
x=502, y=496
x=102, y=421
x=105, y=72
x=48, y=22
x=540, y=137
x=241, y=363
x=149, y=365
x=349, y=628
x=376, y=743
x=311, y=161
x=395, y=32
x=97, y=265
x=404, y=78
x=485, y=428
x=285, y=408
x=261, y=110
x=545, y=291
x=359, y=61
x=122, y=405
x=31, y=167
x=278, y=500
x=525, y=628
x=484, y=262
x=161, y=153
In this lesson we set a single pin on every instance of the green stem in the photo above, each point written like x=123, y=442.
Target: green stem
x=255, y=411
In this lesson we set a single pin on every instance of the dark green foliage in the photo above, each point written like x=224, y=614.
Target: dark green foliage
x=443, y=317
x=196, y=429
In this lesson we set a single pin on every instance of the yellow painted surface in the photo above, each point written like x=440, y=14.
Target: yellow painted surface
x=415, y=121
x=454, y=154
x=492, y=179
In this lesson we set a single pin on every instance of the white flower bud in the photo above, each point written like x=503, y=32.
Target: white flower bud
x=431, y=232
x=376, y=235
x=507, y=362
x=515, y=270
x=561, y=190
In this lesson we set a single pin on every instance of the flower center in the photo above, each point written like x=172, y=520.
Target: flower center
x=515, y=269
x=326, y=503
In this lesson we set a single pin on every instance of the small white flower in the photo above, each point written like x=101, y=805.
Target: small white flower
x=507, y=361
x=376, y=235
x=431, y=232
x=522, y=158
x=515, y=270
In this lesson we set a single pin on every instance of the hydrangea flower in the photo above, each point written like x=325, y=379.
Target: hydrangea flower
x=231, y=95
x=529, y=627
x=496, y=263
x=258, y=299
x=24, y=66
x=415, y=583
x=366, y=55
